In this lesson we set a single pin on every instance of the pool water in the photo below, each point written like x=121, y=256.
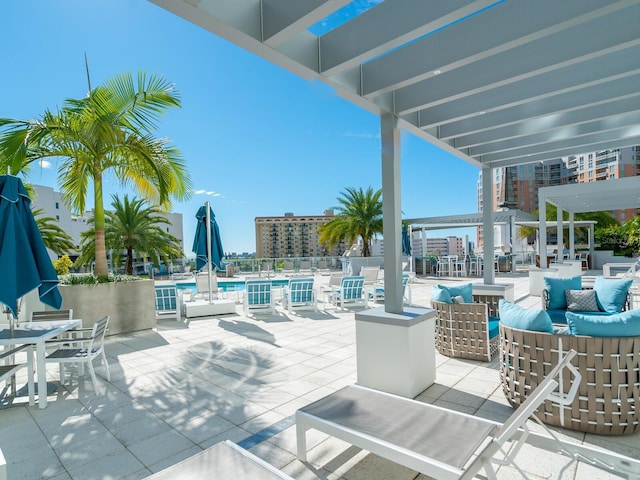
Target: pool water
x=232, y=286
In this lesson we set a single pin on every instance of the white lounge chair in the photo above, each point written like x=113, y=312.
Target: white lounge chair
x=288, y=268
x=445, y=444
x=258, y=296
x=202, y=285
x=370, y=274
x=322, y=267
x=299, y=293
x=305, y=267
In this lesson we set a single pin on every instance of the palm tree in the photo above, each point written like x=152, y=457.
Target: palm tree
x=132, y=226
x=109, y=131
x=54, y=237
x=358, y=215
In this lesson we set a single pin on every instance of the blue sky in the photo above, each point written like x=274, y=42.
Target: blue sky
x=258, y=140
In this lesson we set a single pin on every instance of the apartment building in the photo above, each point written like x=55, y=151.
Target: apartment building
x=517, y=187
x=292, y=235
x=52, y=205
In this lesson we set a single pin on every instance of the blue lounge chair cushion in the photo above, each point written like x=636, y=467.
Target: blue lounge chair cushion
x=557, y=316
x=494, y=326
x=524, y=319
x=612, y=293
x=556, y=288
x=623, y=324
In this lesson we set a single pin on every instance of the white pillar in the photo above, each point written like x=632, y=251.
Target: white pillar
x=542, y=229
x=391, y=213
x=560, y=234
x=487, y=225
x=572, y=238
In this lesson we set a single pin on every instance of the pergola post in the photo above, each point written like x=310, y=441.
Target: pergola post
x=391, y=213
x=560, y=235
x=487, y=225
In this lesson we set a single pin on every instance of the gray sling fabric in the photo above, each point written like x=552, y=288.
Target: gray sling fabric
x=446, y=436
x=220, y=462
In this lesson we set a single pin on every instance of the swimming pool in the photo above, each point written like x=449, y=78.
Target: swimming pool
x=228, y=286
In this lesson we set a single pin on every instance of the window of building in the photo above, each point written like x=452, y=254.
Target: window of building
x=57, y=206
x=58, y=217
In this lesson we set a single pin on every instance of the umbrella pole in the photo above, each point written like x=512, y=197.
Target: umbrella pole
x=208, y=224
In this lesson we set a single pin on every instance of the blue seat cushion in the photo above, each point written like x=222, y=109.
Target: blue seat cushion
x=494, y=326
x=557, y=316
x=514, y=316
x=611, y=293
x=623, y=324
x=556, y=288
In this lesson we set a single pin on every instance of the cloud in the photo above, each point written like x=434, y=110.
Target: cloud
x=45, y=164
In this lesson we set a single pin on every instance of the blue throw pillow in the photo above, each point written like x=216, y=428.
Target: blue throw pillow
x=611, y=294
x=439, y=294
x=556, y=288
x=514, y=316
x=624, y=324
x=466, y=291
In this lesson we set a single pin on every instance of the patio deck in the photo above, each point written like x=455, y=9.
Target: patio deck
x=183, y=388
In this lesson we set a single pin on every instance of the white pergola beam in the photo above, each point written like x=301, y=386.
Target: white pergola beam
x=493, y=31
x=386, y=26
x=555, y=52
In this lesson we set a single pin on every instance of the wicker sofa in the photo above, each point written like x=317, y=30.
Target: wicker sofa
x=608, y=400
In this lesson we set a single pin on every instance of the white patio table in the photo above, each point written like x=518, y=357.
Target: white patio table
x=36, y=334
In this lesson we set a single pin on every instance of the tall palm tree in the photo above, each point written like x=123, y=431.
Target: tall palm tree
x=358, y=215
x=132, y=227
x=109, y=131
x=54, y=237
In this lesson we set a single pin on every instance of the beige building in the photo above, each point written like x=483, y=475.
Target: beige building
x=292, y=236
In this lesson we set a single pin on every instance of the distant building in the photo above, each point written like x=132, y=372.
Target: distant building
x=517, y=187
x=436, y=246
x=292, y=235
x=52, y=205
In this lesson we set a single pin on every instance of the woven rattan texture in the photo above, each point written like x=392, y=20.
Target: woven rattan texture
x=462, y=331
x=609, y=393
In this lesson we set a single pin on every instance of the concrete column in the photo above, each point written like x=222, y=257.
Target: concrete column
x=542, y=229
x=391, y=213
x=487, y=225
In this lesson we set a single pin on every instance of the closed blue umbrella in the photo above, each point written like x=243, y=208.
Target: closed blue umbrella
x=24, y=261
x=200, y=239
x=406, y=241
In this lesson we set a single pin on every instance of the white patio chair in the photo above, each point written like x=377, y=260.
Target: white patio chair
x=83, y=351
x=202, y=285
x=299, y=293
x=376, y=292
x=167, y=302
x=258, y=296
x=350, y=291
x=8, y=370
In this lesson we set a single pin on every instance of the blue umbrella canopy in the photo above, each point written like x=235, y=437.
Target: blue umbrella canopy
x=200, y=240
x=24, y=261
x=406, y=241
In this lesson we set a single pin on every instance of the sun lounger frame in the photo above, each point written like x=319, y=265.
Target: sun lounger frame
x=498, y=448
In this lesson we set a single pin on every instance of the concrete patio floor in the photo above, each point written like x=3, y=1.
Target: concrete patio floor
x=185, y=387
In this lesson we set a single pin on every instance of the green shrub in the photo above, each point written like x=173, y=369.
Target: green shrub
x=88, y=279
x=62, y=265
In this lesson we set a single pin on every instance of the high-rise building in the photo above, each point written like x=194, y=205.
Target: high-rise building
x=292, y=235
x=517, y=187
x=52, y=205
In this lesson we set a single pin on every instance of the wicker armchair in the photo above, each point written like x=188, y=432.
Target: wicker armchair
x=608, y=400
x=462, y=329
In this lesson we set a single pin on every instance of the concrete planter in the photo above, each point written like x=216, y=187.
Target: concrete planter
x=130, y=305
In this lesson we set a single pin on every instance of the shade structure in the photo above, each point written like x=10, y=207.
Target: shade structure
x=24, y=261
x=200, y=239
x=406, y=241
